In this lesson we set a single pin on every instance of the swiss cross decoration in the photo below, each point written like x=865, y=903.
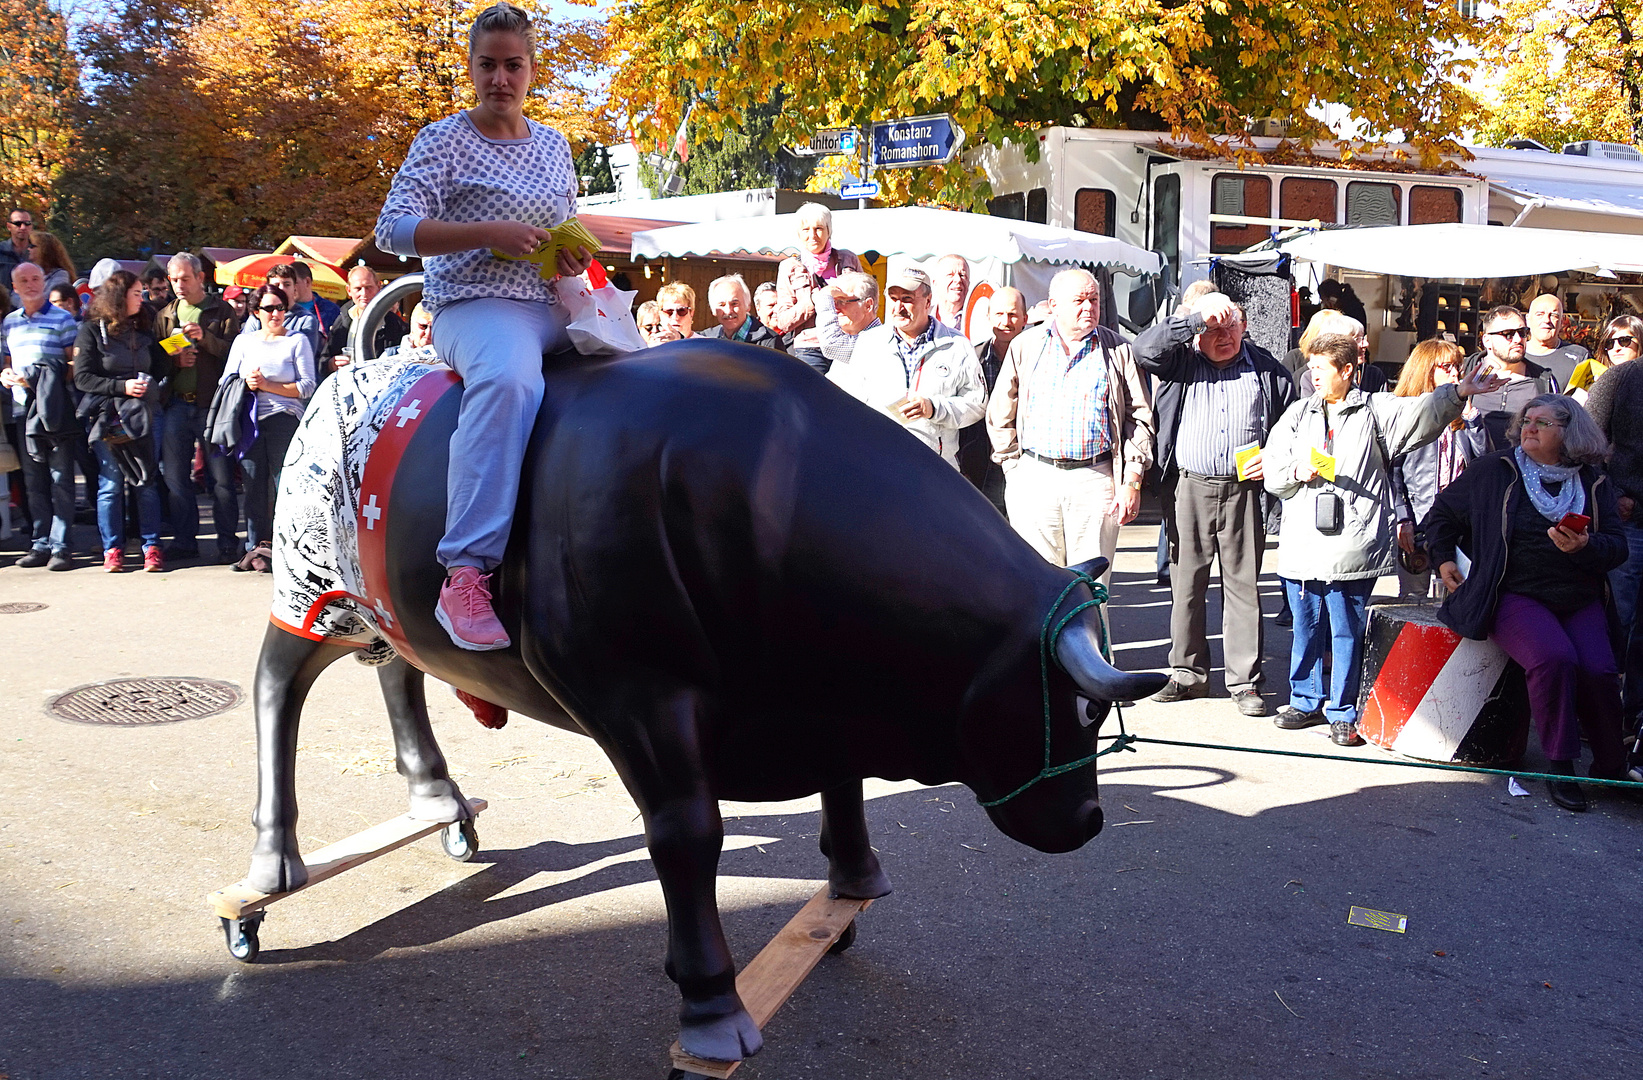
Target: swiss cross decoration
x=371, y=512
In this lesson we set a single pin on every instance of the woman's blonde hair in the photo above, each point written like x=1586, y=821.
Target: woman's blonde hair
x=53, y=255
x=1329, y=321
x=677, y=290
x=503, y=18
x=1416, y=377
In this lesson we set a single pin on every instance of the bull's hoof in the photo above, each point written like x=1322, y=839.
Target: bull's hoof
x=439, y=800
x=275, y=870
x=866, y=885
x=731, y=1037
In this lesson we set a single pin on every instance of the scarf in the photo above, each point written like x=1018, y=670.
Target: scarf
x=820, y=264
x=1570, y=498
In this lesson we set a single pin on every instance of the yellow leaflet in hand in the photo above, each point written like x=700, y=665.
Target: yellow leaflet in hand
x=175, y=343
x=1324, y=463
x=568, y=236
x=1243, y=456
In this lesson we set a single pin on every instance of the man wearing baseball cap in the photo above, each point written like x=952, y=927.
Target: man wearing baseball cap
x=923, y=374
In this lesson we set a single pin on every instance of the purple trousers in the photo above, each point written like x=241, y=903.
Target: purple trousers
x=1574, y=682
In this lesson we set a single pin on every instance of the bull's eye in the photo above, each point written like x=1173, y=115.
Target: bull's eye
x=1087, y=710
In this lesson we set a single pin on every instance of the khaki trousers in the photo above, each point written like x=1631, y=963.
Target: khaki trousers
x=1065, y=514
x=1207, y=521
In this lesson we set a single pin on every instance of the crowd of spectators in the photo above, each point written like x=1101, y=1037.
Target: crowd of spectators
x=92, y=387
x=1473, y=479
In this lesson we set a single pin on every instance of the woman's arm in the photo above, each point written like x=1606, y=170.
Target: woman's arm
x=1282, y=451
x=91, y=375
x=793, y=307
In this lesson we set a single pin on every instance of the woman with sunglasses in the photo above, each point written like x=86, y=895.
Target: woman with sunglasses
x=1419, y=475
x=1620, y=343
x=476, y=186
x=1615, y=402
x=119, y=366
x=1541, y=527
x=278, y=367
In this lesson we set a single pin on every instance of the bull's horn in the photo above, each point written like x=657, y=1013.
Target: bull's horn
x=1079, y=653
x=1091, y=567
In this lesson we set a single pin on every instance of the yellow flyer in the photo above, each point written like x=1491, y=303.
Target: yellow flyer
x=1324, y=463
x=568, y=235
x=176, y=343
x=1243, y=456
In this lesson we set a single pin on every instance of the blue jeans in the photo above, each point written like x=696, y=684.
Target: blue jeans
x=184, y=426
x=1341, y=604
x=1627, y=578
x=50, y=486
x=111, y=512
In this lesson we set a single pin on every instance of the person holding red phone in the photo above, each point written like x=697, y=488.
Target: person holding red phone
x=1540, y=525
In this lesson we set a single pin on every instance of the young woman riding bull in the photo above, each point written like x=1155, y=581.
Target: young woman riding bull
x=486, y=178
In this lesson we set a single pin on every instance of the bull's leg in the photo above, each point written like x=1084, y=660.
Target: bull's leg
x=853, y=870
x=434, y=795
x=286, y=668
x=664, y=772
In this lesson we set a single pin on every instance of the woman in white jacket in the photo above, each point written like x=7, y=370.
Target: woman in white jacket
x=1329, y=460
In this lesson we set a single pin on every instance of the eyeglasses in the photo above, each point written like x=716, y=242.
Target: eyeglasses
x=1513, y=332
x=651, y=327
x=1624, y=342
x=1540, y=425
x=272, y=307
x=20, y=223
x=676, y=311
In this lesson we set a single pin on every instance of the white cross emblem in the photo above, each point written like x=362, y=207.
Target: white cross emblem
x=409, y=412
x=382, y=614
x=371, y=512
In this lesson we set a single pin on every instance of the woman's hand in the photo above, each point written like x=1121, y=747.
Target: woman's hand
x=1406, y=536
x=1628, y=507
x=516, y=238
x=1568, y=542
x=135, y=387
x=1481, y=381
x=1305, y=471
x=1451, y=575
x=254, y=379
x=574, y=265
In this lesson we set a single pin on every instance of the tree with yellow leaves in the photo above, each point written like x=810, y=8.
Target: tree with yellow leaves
x=39, y=85
x=1568, y=72
x=1197, y=67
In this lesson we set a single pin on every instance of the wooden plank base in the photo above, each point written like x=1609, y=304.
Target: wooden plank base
x=239, y=900
x=779, y=969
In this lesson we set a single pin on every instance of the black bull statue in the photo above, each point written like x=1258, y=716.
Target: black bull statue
x=742, y=584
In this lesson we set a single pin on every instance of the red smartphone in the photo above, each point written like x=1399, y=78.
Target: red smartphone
x=1575, y=523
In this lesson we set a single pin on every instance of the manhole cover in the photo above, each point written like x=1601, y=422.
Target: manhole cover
x=131, y=702
x=21, y=608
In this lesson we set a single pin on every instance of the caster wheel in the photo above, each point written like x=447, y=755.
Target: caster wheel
x=846, y=939
x=460, y=840
x=241, y=935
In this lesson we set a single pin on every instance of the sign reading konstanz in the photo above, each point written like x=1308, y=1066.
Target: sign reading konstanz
x=916, y=140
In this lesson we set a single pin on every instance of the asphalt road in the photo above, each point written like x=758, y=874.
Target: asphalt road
x=1202, y=934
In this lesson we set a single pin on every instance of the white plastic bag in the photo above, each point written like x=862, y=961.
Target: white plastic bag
x=599, y=316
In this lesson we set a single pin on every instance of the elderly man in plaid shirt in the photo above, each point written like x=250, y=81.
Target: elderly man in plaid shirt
x=1071, y=422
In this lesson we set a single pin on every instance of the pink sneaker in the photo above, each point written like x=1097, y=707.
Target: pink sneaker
x=114, y=560
x=465, y=611
x=153, y=560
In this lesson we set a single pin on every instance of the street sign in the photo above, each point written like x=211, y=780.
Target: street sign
x=916, y=140
x=865, y=190
x=829, y=141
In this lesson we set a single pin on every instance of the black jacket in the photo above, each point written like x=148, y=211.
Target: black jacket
x=103, y=363
x=1475, y=514
x=49, y=413
x=1165, y=352
x=1616, y=403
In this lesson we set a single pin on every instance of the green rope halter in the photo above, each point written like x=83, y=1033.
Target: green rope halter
x=1048, y=637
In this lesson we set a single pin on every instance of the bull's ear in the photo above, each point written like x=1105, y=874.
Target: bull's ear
x=1079, y=653
x=1093, y=567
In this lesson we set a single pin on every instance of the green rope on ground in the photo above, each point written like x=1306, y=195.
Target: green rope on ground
x=1048, y=636
x=1125, y=741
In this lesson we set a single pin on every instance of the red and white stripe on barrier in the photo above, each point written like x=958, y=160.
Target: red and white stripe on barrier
x=1429, y=693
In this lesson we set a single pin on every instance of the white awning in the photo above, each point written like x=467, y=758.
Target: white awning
x=1530, y=192
x=1459, y=251
x=918, y=232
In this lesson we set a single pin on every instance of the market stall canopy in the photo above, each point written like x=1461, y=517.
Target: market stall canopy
x=1461, y=251
x=252, y=271
x=918, y=232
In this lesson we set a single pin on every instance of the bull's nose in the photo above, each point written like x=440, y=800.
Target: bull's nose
x=1090, y=819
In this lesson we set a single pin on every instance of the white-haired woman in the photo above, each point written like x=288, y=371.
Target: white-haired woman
x=482, y=179
x=1371, y=379
x=1538, y=584
x=816, y=265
